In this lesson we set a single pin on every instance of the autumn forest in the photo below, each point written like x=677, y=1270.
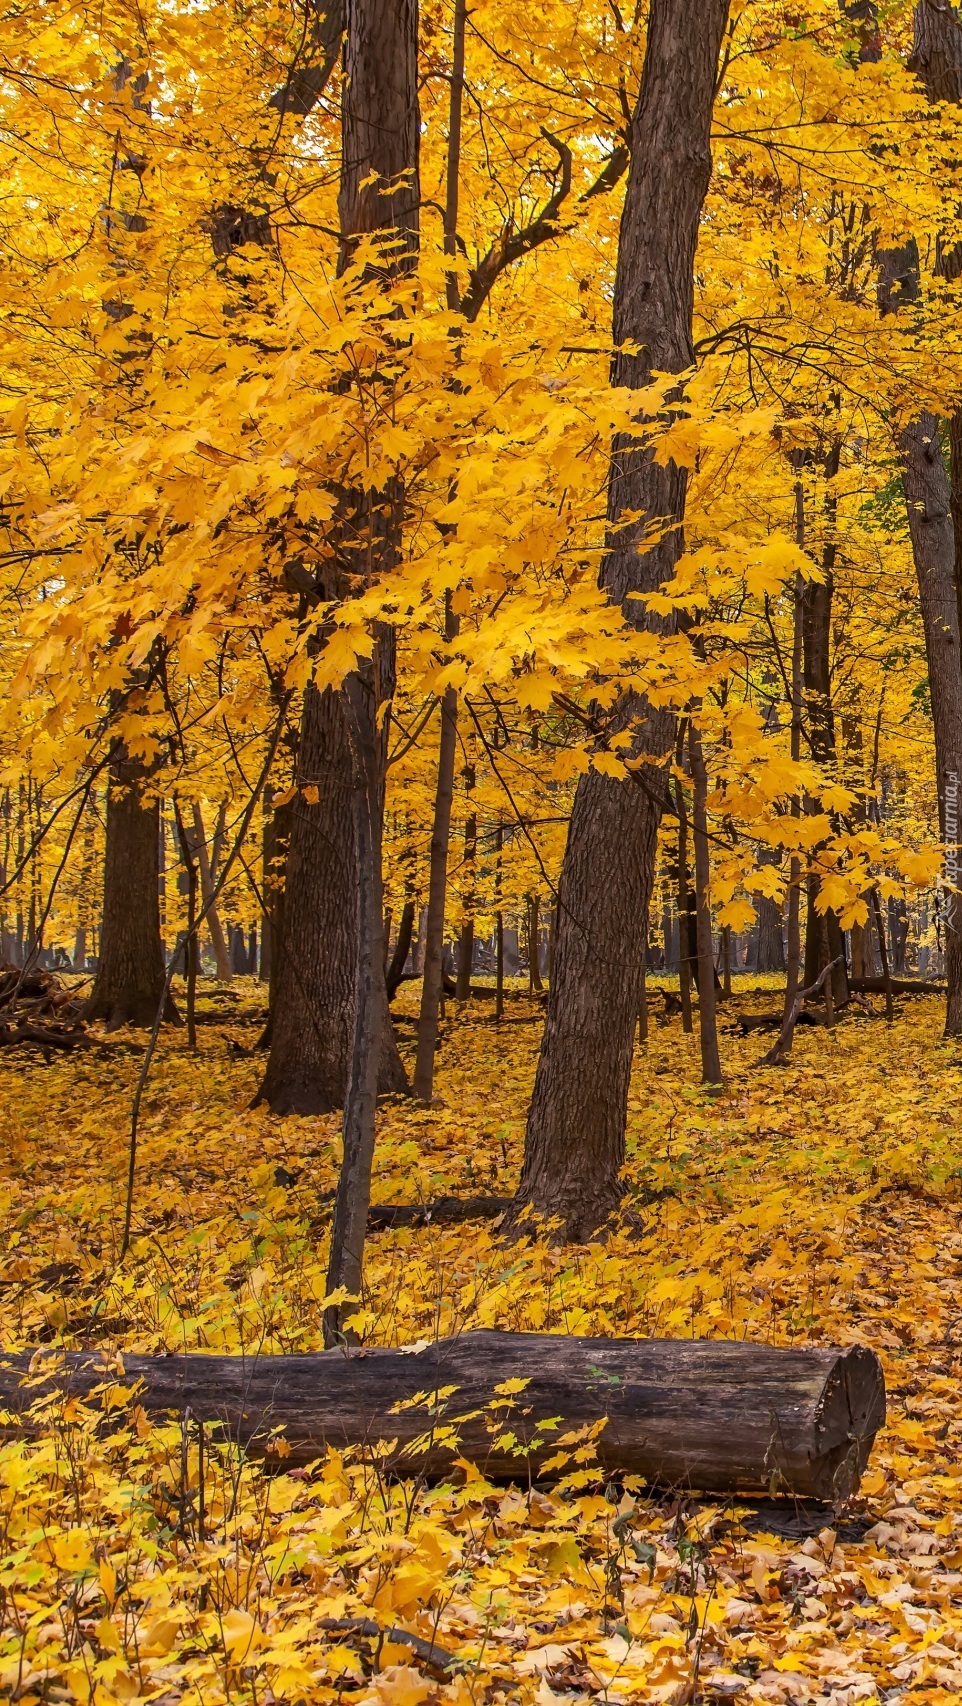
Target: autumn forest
x=480, y=852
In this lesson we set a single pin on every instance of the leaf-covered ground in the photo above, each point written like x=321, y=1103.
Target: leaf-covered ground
x=820, y=1203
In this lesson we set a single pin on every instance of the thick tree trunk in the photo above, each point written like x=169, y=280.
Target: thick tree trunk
x=129, y=984
x=349, y=1227
x=937, y=60
x=933, y=547
x=709, y=1414
x=575, y=1142
x=314, y=956
x=379, y=195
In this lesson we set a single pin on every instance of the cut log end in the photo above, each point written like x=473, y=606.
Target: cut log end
x=702, y=1415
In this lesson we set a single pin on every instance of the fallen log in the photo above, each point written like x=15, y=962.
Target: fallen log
x=898, y=985
x=443, y=1211
x=707, y=1414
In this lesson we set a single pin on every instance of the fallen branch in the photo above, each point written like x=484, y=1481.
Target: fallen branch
x=714, y=1414
x=444, y=1211
x=434, y=1657
x=779, y=1052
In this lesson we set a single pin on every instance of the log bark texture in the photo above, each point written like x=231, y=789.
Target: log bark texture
x=708, y=1414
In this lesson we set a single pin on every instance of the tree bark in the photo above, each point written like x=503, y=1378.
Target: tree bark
x=933, y=548
x=402, y=948
x=466, y=938
x=707, y=1021
x=535, y=982
x=191, y=944
x=575, y=1140
x=824, y=940
x=314, y=956
x=370, y=1014
x=709, y=1414
x=379, y=195
x=937, y=60
x=215, y=929
x=129, y=984
x=431, y=982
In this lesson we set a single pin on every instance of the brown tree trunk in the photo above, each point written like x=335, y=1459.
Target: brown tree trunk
x=215, y=929
x=937, y=59
x=534, y=945
x=822, y=945
x=191, y=944
x=402, y=948
x=129, y=984
x=933, y=548
x=575, y=1141
x=770, y=949
x=466, y=939
x=314, y=954
x=431, y=982
x=379, y=195
x=707, y=1022
x=349, y=1227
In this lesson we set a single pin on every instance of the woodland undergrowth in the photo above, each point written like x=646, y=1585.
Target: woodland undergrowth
x=814, y=1204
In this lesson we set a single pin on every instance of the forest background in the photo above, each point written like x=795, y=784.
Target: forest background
x=457, y=527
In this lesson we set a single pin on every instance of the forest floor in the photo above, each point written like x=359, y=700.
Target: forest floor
x=815, y=1204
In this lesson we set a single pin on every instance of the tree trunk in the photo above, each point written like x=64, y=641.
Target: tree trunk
x=379, y=195
x=822, y=945
x=937, y=59
x=575, y=1140
x=431, y=983
x=215, y=929
x=370, y=1013
x=933, y=548
x=191, y=943
x=314, y=960
x=707, y=1022
x=402, y=949
x=710, y=1414
x=534, y=945
x=129, y=984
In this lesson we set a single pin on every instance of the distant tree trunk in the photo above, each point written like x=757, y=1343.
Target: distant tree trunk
x=770, y=950
x=822, y=946
x=687, y=940
x=575, y=1141
x=462, y=989
x=129, y=984
x=402, y=949
x=431, y=982
x=191, y=943
x=534, y=945
x=707, y=1023
x=215, y=929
